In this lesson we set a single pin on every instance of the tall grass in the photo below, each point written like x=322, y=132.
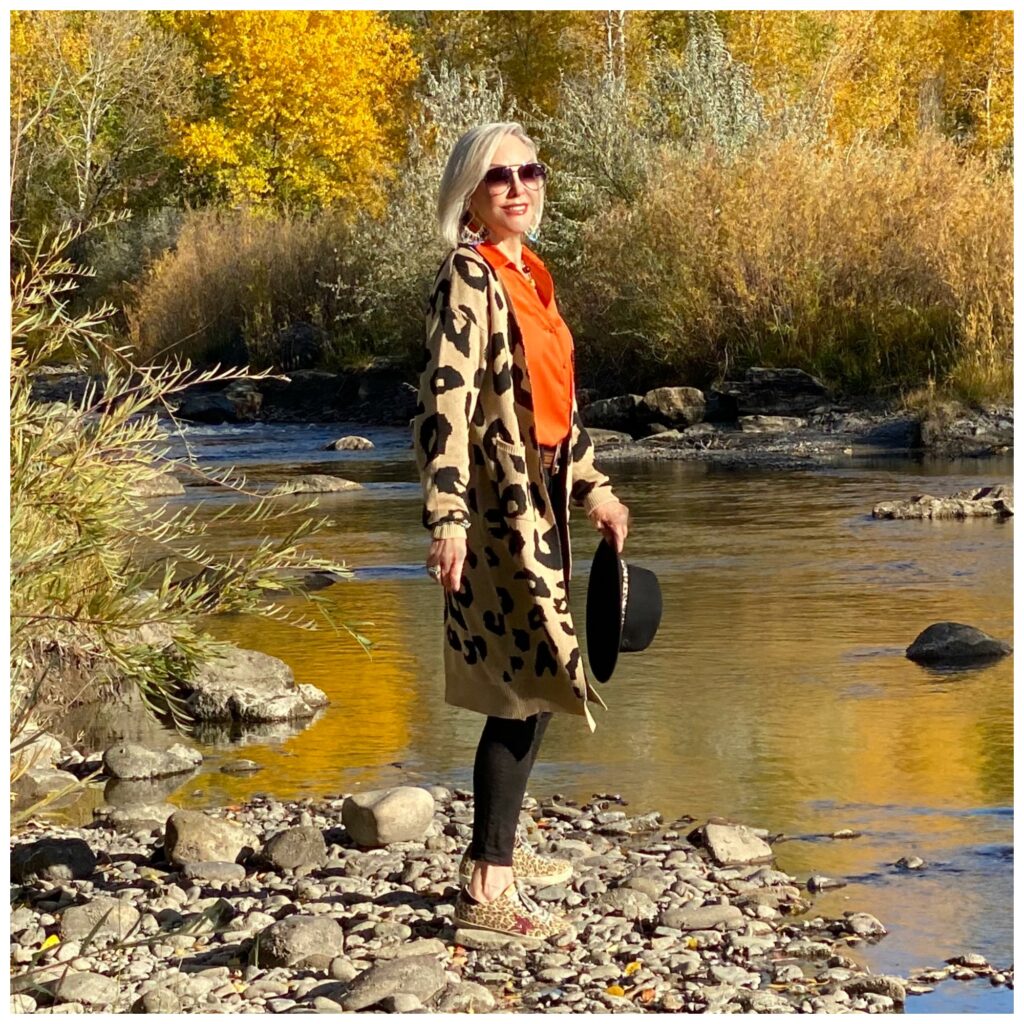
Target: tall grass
x=875, y=268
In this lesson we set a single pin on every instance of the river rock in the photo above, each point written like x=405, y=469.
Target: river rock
x=159, y=1000
x=301, y=940
x=629, y=903
x=910, y=863
x=978, y=501
x=770, y=424
x=604, y=438
x=412, y=947
x=209, y=408
x=420, y=976
x=159, y=486
x=877, y=984
x=866, y=926
x=38, y=783
x=118, y=918
x=213, y=871
x=249, y=686
x=132, y=761
x=315, y=483
x=302, y=846
x=678, y=407
x=54, y=860
x=623, y=412
x=954, y=643
x=720, y=916
x=193, y=836
x=384, y=816
x=136, y=817
x=819, y=883
x=775, y=392
x=348, y=443
x=953, y=431
x=465, y=997
x=85, y=987
x=35, y=748
x=240, y=766
x=731, y=844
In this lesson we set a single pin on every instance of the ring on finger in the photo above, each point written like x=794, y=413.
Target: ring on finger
x=434, y=571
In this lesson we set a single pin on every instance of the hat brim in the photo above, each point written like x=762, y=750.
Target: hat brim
x=604, y=612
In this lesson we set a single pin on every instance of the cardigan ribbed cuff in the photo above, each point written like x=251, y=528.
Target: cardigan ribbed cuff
x=598, y=496
x=445, y=530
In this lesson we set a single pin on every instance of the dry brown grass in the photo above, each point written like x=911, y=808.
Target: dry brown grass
x=876, y=268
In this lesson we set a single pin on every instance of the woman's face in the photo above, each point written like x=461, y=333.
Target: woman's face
x=513, y=210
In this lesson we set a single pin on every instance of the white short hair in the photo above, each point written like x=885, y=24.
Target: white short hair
x=468, y=163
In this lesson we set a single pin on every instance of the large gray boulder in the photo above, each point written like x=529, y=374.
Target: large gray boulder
x=84, y=987
x=976, y=501
x=103, y=917
x=623, y=412
x=54, y=860
x=775, y=392
x=249, y=686
x=719, y=916
x=383, y=816
x=678, y=407
x=133, y=761
x=315, y=483
x=953, y=643
x=299, y=941
x=731, y=844
x=192, y=836
x=419, y=976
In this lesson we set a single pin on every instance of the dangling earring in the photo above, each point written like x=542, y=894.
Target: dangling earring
x=472, y=236
x=533, y=233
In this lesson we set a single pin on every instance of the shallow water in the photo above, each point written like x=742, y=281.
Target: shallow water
x=776, y=692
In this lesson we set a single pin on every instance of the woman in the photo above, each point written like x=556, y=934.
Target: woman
x=502, y=452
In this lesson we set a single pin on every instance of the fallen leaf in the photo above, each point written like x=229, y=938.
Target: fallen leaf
x=632, y=968
x=50, y=940
x=646, y=995
x=615, y=990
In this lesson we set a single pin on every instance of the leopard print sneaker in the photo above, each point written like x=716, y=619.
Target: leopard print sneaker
x=511, y=913
x=530, y=868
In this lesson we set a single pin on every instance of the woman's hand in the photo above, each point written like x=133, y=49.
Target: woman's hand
x=449, y=554
x=612, y=519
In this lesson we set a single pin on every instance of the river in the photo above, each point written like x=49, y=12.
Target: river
x=776, y=693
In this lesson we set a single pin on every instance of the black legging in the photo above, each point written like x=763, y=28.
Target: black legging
x=505, y=755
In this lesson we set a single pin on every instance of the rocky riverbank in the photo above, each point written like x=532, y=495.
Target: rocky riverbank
x=765, y=418
x=275, y=907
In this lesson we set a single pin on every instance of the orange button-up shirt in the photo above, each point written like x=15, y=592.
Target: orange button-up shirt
x=546, y=340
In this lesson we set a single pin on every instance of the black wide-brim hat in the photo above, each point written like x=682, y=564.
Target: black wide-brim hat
x=623, y=609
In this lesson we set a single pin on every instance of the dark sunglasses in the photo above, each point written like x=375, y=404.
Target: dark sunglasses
x=532, y=175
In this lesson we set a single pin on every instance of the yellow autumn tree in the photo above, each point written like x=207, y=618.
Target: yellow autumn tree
x=305, y=106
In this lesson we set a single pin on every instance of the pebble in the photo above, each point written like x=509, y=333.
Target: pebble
x=650, y=912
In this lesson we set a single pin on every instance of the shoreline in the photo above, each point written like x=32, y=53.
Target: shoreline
x=666, y=917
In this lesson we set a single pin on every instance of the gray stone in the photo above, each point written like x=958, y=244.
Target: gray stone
x=248, y=687
x=302, y=846
x=606, y=438
x=864, y=925
x=23, y=1004
x=401, y=1002
x=911, y=863
x=623, y=412
x=192, y=837
x=680, y=406
x=132, y=761
x=770, y=424
x=136, y=817
x=415, y=947
x=315, y=483
x=988, y=502
x=383, y=816
x=420, y=976
x=819, y=883
x=158, y=486
x=732, y=844
x=716, y=916
x=54, y=860
x=36, y=748
x=349, y=443
x=159, y=1000
x=240, y=766
x=85, y=987
x=301, y=940
x=465, y=997
x=629, y=903
x=953, y=643
x=877, y=984
x=36, y=784
x=213, y=871
x=111, y=919
x=774, y=392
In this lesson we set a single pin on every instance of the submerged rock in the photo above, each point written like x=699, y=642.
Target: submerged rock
x=315, y=483
x=349, y=443
x=978, y=501
x=953, y=643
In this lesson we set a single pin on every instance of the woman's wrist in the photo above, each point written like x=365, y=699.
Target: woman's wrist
x=444, y=531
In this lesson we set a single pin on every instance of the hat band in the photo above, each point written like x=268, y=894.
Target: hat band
x=625, y=596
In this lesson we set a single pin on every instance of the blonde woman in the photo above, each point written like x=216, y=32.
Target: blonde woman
x=502, y=454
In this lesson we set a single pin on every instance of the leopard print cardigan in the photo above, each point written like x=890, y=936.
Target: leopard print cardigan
x=510, y=646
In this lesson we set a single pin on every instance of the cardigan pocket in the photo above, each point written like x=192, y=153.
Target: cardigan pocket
x=512, y=482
